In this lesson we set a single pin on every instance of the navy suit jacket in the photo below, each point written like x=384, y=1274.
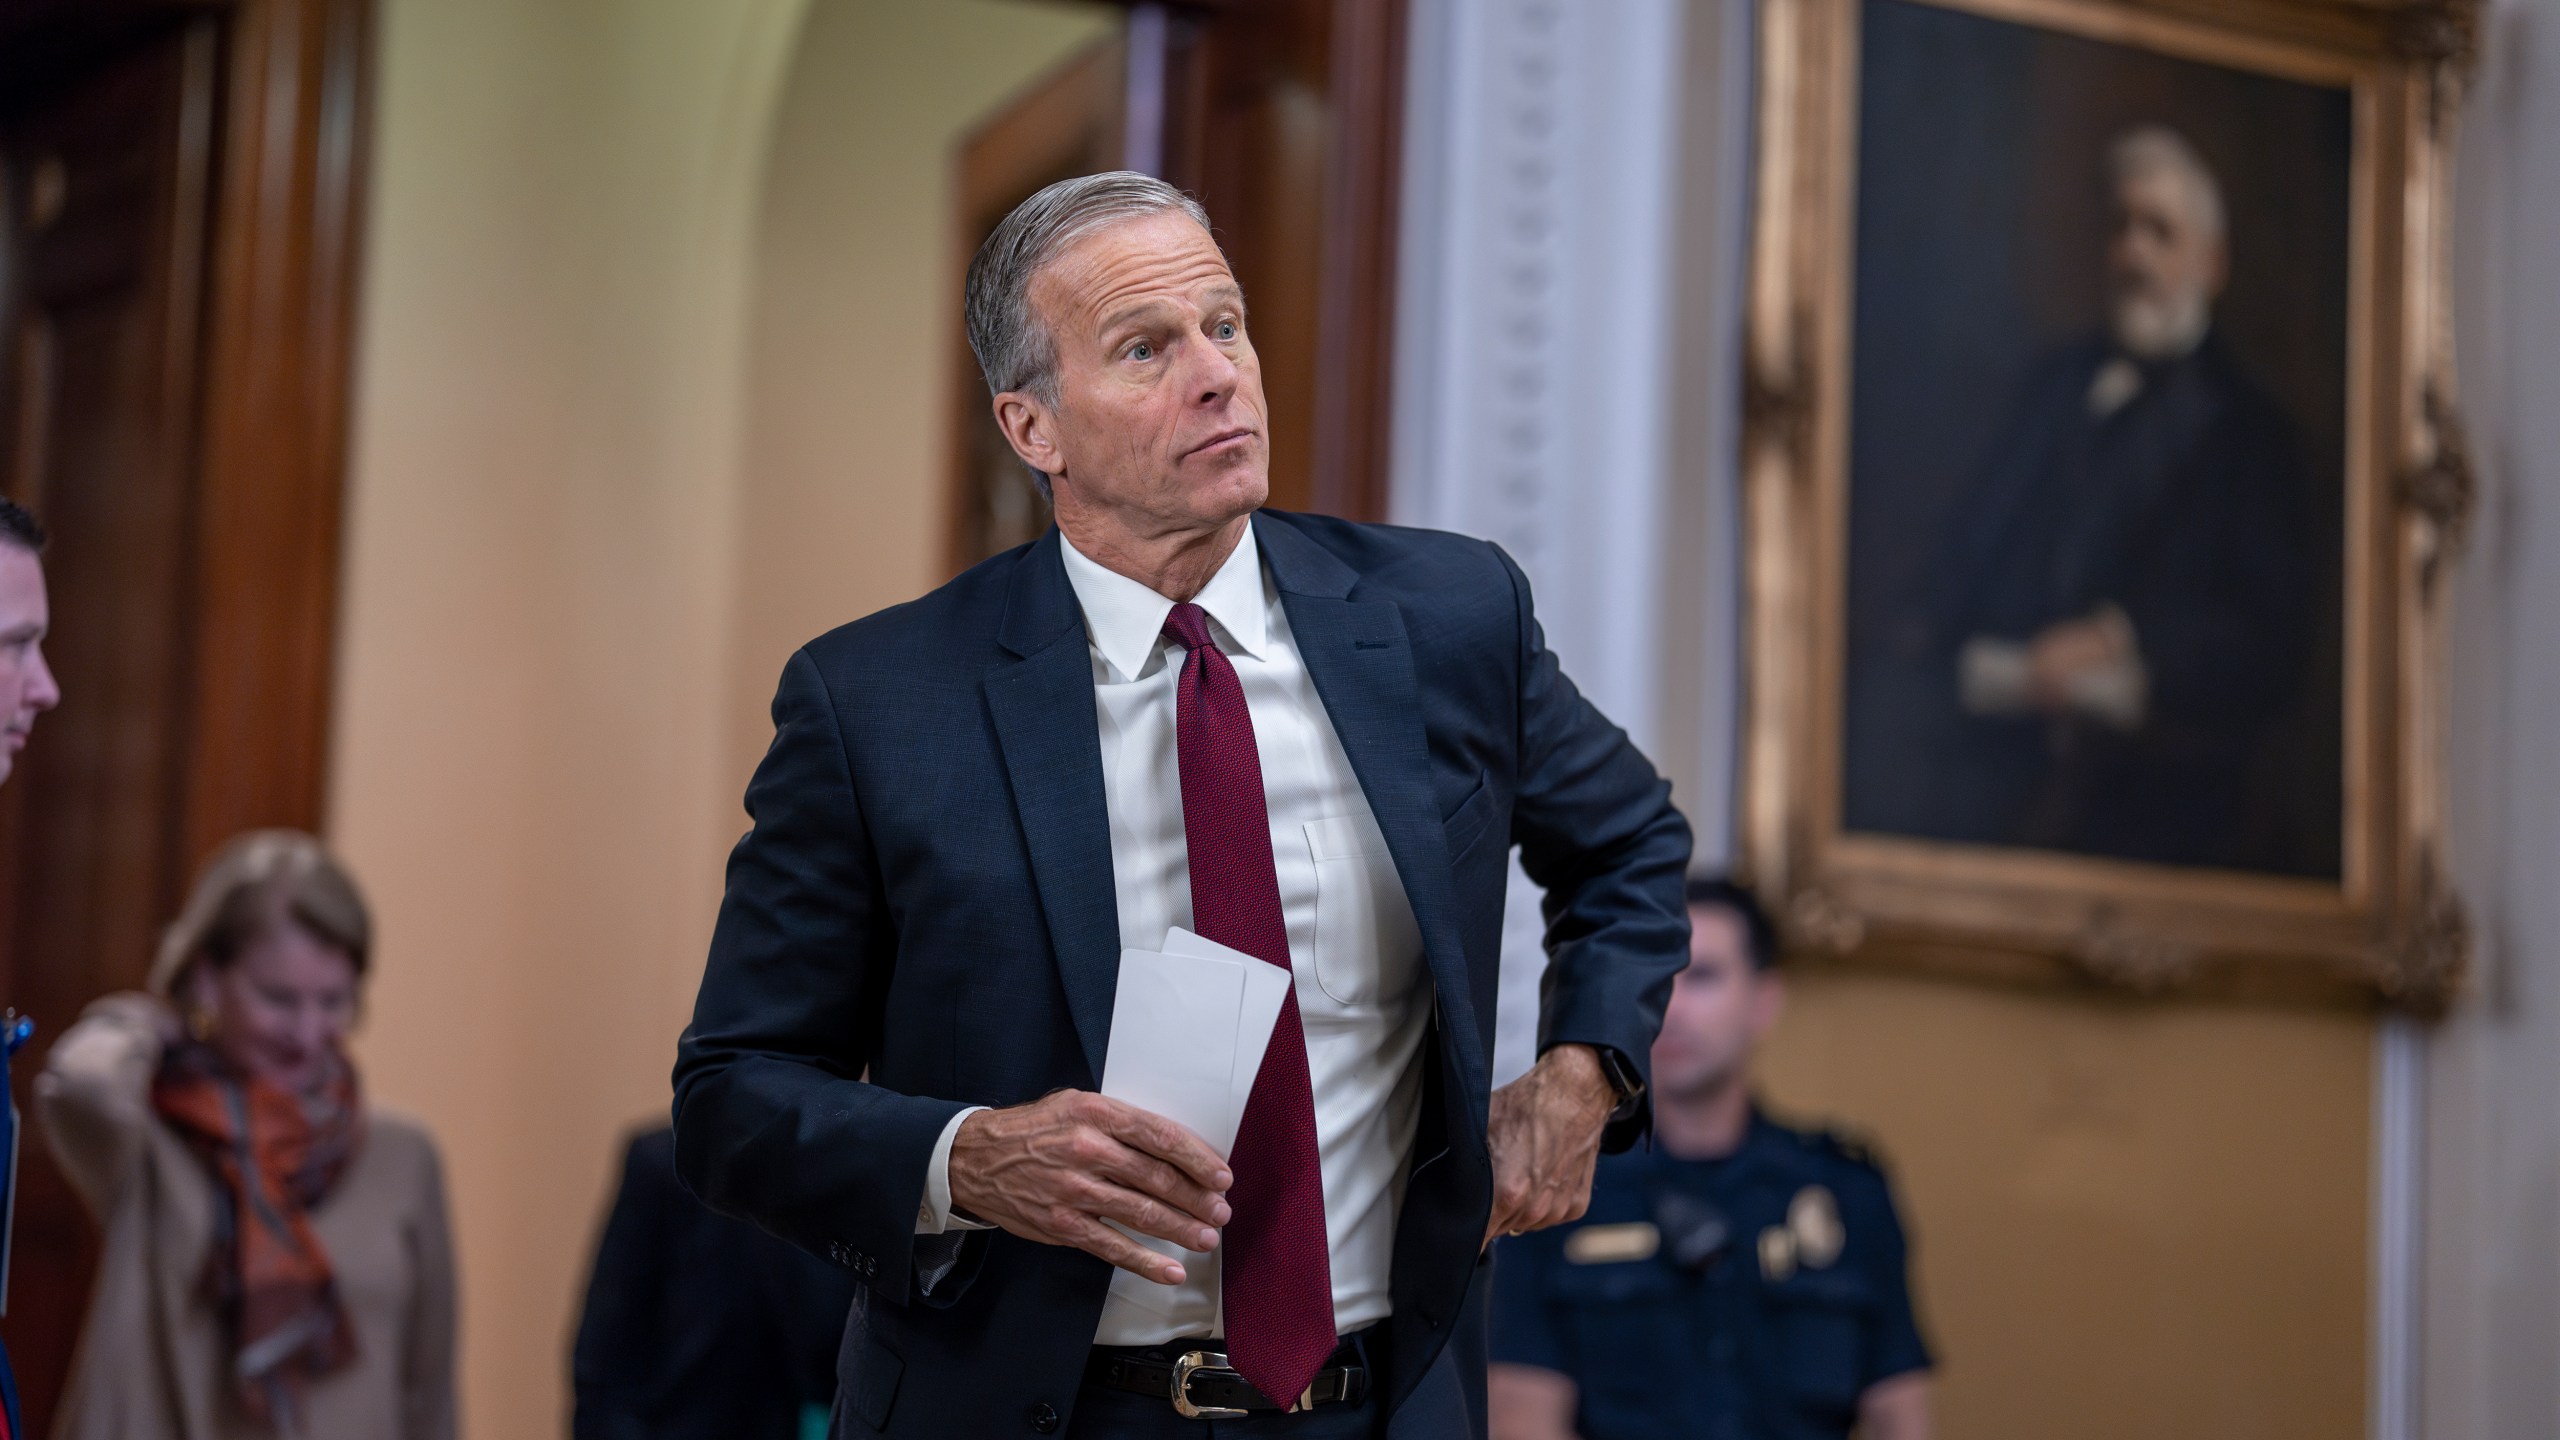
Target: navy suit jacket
x=922, y=918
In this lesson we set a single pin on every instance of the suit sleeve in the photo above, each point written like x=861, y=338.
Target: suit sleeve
x=93, y=1098
x=773, y=1121
x=1597, y=832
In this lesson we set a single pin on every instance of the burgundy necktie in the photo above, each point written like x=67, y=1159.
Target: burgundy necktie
x=1278, y=1278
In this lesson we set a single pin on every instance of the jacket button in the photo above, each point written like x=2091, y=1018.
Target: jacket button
x=1044, y=1417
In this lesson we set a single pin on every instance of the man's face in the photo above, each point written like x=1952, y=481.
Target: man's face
x=2165, y=264
x=1159, y=417
x=1720, y=1007
x=26, y=684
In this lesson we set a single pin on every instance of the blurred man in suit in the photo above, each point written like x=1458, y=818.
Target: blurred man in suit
x=2127, y=600
x=1312, y=741
x=698, y=1326
x=27, y=690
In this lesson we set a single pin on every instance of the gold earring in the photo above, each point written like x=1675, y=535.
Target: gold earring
x=200, y=1023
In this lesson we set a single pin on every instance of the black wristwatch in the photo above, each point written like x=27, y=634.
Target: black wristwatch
x=1623, y=1081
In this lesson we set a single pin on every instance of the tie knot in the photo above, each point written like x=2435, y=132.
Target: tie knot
x=1188, y=627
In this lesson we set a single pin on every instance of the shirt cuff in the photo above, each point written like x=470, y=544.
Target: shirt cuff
x=934, y=1216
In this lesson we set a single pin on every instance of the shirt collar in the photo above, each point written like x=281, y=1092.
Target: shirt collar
x=1124, y=619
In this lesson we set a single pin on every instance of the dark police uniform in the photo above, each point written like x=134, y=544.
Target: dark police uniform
x=1750, y=1298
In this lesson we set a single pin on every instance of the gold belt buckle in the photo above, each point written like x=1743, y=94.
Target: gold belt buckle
x=1190, y=1365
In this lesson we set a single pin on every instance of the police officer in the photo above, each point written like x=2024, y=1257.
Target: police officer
x=1739, y=1280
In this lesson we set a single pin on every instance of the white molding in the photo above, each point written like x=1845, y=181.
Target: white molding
x=1536, y=341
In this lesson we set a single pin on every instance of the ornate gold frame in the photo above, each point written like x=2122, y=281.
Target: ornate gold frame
x=2391, y=929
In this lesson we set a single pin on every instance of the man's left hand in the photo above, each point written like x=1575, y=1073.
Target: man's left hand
x=1544, y=1131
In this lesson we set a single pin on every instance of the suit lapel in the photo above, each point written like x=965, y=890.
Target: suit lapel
x=1042, y=705
x=1361, y=660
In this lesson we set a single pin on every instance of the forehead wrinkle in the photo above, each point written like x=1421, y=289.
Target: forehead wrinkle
x=1150, y=282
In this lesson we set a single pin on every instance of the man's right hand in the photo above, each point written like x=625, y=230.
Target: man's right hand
x=1055, y=1169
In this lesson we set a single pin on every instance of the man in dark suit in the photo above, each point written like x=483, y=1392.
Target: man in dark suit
x=698, y=1326
x=1311, y=741
x=27, y=690
x=2127, y=602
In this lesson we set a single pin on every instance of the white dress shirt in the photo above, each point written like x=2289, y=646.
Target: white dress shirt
x=1363, y=997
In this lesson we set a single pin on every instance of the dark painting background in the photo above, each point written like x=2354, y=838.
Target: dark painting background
x=1981, y=231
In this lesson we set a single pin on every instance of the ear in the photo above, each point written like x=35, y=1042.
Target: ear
x=1031, y=428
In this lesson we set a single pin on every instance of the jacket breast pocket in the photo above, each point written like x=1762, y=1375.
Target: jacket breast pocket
x=1368, y=948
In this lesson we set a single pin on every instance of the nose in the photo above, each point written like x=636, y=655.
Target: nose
x=42, y=692
x=1213, y=374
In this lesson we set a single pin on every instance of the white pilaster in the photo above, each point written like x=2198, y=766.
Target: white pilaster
x=1540, y=338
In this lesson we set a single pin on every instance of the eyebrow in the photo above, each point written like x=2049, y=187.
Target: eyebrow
x=1230, y=296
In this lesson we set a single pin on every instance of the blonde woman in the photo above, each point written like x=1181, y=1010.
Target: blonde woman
x=276, y=1260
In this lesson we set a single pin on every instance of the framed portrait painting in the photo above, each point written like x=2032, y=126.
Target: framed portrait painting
x=2100, y=467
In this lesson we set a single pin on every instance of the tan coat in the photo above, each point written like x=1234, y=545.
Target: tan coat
x=152, y=1358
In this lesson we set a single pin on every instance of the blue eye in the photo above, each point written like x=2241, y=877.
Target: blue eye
x=1142, y=351
x=1227, y=330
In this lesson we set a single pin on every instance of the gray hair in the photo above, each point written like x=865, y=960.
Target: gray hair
x=2150, y=149
x=1015, y=351
x=253, y=884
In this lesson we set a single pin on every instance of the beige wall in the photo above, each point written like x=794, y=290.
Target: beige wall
x=604, y=477
x=856, y=314
x=2128, y=1219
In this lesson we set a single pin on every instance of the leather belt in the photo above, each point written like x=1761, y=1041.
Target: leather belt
x=1200, y=1384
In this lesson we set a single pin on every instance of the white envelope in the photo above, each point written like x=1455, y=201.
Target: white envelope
x=1173, y=1032
x=1265, y=986
x=1188, y=1028
x=1173, y=1029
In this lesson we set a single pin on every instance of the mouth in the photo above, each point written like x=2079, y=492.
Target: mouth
x=1225, y=442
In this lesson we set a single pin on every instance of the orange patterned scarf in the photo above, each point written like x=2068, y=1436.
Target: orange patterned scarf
x=273, y=1155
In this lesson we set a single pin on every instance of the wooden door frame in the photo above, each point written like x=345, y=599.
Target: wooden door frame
x=1364, y=177
x=1356, y=333
x=1040, y=133
x=275, y=358
x=280, y=327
